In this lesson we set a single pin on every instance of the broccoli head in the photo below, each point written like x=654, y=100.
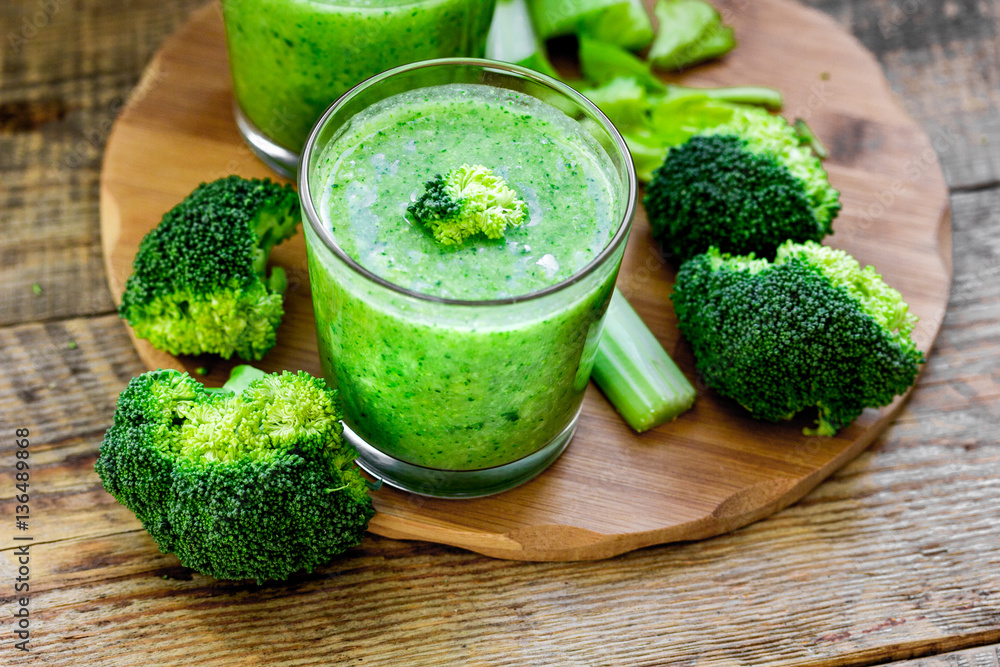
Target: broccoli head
x=200, y=282
x=467, y=201
x=744, y=183
x=811, y=329
x=255, y=484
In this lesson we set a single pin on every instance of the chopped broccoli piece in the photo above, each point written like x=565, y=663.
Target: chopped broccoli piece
x=808, y=138
x=621, y=22
x=200, y=282
x=759, y=96
x=745, y=184
x=810, y=329
x=636, y=373
x=467, y=201
x=691, y=31
x=251, y=482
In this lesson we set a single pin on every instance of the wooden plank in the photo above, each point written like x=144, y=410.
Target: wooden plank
x=943, y=61
x=883, y=561
x=66, y=71
x=983, y=656
x=907, y=530
x=62, y=379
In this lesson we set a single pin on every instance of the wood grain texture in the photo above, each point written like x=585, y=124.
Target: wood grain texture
x=55, y=116
x=984, y=656
x=894, y=557
x=711, y=471
x=953, y=44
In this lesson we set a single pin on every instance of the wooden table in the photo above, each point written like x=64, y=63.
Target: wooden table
x=895, y=558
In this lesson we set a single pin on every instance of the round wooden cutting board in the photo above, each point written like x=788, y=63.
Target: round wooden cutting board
x=713, y=469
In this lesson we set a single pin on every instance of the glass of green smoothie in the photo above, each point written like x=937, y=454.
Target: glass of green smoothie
x=462, y=366
x=290, y=59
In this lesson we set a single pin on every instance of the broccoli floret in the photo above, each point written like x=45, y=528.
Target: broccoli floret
x=200, y=282
x=811, y=329
x=253, y=481
x=467, y=201
x=744, y=185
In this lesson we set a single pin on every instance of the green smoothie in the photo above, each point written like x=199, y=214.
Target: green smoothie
x=462, y=385
x=290, y=59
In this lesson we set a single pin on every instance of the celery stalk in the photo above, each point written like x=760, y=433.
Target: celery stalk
x=512, y=38
x=622, y=22
x=240, y=378
x=635, y=372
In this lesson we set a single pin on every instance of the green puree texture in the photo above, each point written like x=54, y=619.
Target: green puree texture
x=458, y=386
x=290, y=59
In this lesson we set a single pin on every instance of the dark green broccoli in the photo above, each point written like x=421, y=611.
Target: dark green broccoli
x=467, y=201
x=253, y=481
x=200, y=282
x=811, y=329
x=745, y=182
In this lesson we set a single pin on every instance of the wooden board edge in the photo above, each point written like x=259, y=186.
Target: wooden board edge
x=585, y=544
x=538, y=543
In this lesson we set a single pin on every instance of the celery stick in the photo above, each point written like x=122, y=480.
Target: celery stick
x=691, y=31
x=239, y=379
x=512, y=38
x=621, y=22
x=635, y=372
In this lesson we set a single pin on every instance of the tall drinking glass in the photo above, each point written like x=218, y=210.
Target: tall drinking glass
x=447, y=392
x=290, y=59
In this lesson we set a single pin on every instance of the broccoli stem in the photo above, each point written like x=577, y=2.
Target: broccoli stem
x=239, y=379
x=809, y=138
x=635, y=372
x=277, y=282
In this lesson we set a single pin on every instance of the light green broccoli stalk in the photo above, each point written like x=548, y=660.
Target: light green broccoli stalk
x=467, y=201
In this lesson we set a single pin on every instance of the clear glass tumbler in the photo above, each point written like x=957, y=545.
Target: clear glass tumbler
x=448, y=397
x=290, y=59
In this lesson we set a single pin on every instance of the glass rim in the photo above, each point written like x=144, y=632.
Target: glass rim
x=326, y=235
